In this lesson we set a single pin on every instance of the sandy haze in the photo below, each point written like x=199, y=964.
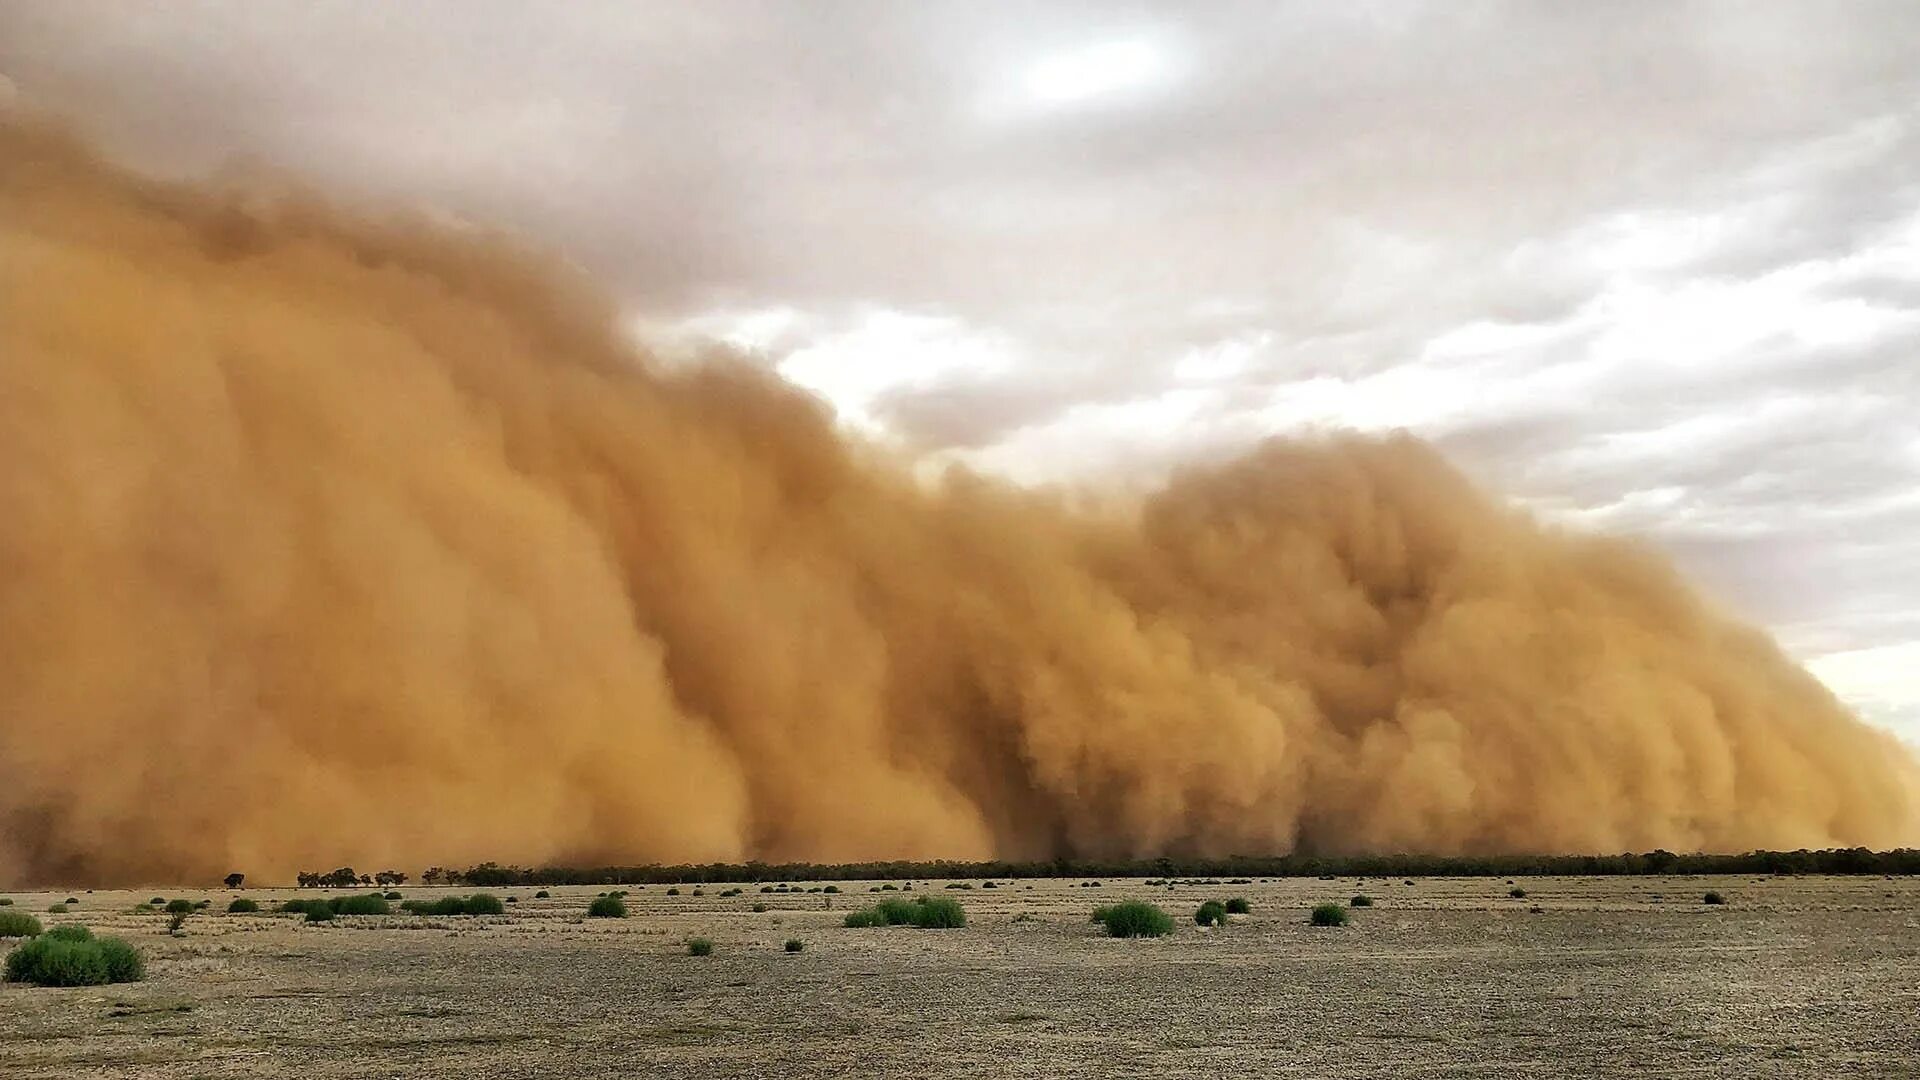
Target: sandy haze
x=330, y=542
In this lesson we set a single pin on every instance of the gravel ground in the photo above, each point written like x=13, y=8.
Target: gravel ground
x=1803, y=977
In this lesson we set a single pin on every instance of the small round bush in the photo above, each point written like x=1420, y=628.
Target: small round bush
x=1517, y=893
x=699, y=946
x=864, y=919
x=1362, y=900
x=6, y=901
x=896, y=912
x=1238, y=906
x=67, y=960
x=759, y=907
x=179, y=907
x=158, y=901
x=70, y=932
x=938, y=913
x=371, y=904
x=795, y=944
x=486, y=904
x=1713, y=898
x=1329, y=915
x=1137, y=919
x=202, y=905
x=673, y=892
x=542, y=895
x=56, y=909
x=18, y=924
x=242, y=906
x=607, y=907
x=831, y=888
x=71, y=901
x=394, y=895
x=320, y=912
x=1211, y=913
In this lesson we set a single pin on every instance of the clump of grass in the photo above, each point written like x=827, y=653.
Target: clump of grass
x=1328, y=915
x=6, y=901
x=391, y=895
x=177, y=923
x=70, y=959
x=863, y=919
x=158, y=901
x=70, y=901
x=56, y=909
x=830, y=888
x=18, y=924
x=673, y=892
x=70, y=932
x=320, y=912
x=543, y=895
x=607, y=907
x=699, y=946
x=1100, y=913
x=1713, y=898
x=243, y=906
x=179, y=907
x=477, y=904
x=959, y=885
x=938, y=913
x=1362, y=900
x=795, y=944
x=1517, y=893
x=1135, y=918
x=1238, y=906
x=759, y=907
x=1211, y=913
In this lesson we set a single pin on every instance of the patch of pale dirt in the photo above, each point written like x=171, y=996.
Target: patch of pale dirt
x=1610, y=977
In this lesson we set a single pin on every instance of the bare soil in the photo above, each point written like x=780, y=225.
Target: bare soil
x=1800, y=977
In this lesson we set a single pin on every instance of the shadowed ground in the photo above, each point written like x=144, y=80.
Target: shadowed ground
x=1444, y=977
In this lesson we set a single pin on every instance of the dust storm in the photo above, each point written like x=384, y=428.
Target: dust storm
x=330, y=540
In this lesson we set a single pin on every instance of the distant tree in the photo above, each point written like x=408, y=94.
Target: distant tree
x=234, y=880
x=390, y=877
x=343, y=878
x=309, y=879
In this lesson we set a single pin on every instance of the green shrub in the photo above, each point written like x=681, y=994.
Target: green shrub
x=1329, y=915
x=179, y=907
x=759, y=907
x=393, y=895
x=56, y=909
x=1136, y=919
x=795, y=944
x=477, y=904
x=1100, y=913
x=831, y=888
x=158, y=901
x=1713, y=898
x=1238, y=906
x=67, y=960
x=543, y=895
x=699, y=946
x=863, y=919
x=607, y=907
x=298, y=907
x=319, y=911
x=18, y=924
x=242, y=906
x=938, y=913
x=673, y=892
x=370, y=904
x=896, y=912
x=175, y=924
x=1517, y=893
x=1211, y=913
x=486, y=904
x=6, y=901
x=1362, y=900
x=958, y=885
x=70, y=932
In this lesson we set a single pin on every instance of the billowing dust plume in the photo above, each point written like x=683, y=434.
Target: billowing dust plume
x=328, y=543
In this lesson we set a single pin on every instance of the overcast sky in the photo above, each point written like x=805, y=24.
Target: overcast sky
x=1653, y=268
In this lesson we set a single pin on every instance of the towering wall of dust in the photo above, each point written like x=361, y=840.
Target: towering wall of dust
x=323, y=543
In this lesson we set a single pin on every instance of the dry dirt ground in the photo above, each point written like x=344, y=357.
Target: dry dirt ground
x=1806, y=977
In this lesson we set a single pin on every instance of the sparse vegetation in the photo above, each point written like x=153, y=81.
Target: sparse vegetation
x=926, y=912
x=179, y=907
x=1211, y=913
x=795, y=944
x=18, y=924
x=391, y=895
x=607, y=907
x=320, y=913
x=450, y=906
x=1238, y=906
x=56, y=909
x=371, y=904
x=243, y=906
x=699, y=946
x=1328, y=915
x=74, y=959
x=1713, y=898
x=1135, y=919
x=673, y=892
x=158, y=901
x=759, y=907
x=543, y=895
x=1517, y=893
x=176, y=924
x=1361, y=900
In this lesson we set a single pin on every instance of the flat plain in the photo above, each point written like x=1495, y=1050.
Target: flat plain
x=1603, y=977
